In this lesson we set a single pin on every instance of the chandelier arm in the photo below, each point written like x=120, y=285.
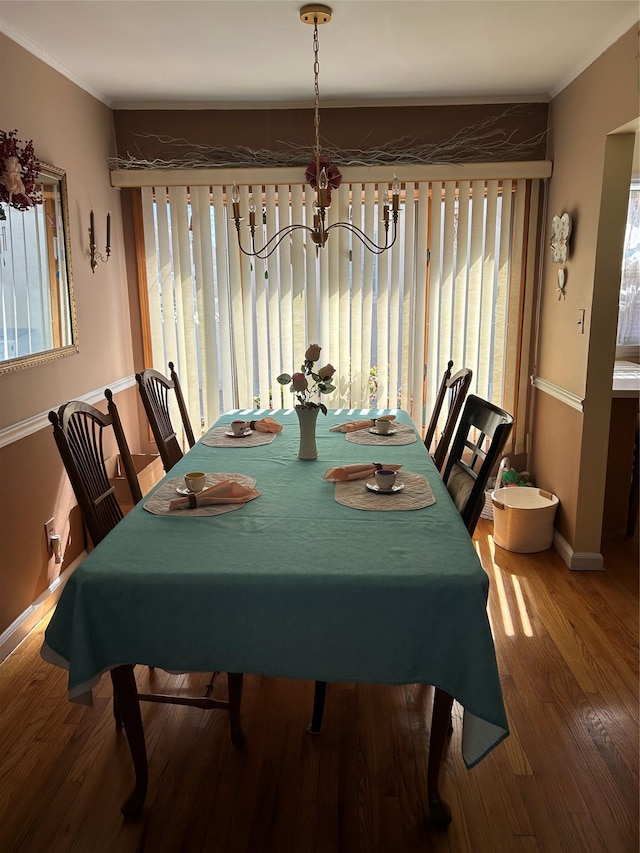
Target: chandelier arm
x=263, y=253
x=367, y=242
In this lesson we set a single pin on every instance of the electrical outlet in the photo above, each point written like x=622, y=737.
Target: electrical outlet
x=49, y=530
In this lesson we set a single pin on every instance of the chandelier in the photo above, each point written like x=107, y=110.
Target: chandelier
x=323, y=176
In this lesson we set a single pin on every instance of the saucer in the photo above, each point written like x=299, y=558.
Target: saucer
x=374, y=487
x=185, y=491
x=232, y=434
x=375, y=431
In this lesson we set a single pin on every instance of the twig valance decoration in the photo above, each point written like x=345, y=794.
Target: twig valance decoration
x=480, y=142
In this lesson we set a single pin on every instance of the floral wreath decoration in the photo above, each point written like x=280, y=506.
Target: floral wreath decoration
x=334, y=176
x=19, y=170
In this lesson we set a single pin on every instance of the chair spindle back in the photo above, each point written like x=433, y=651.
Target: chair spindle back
x=78, y=429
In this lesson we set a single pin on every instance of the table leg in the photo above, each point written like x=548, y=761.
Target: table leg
x=234, y=682
x=440, y=725
x=315, y=727
x=125, y=694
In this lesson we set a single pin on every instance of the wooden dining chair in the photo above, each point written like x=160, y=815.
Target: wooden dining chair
x=79, y=432
x=475, y=452
x=457, y=387
x=437, y=406
x=78, y=429
x=155, y=390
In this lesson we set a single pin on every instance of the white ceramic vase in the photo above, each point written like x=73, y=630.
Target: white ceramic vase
x=307, y=419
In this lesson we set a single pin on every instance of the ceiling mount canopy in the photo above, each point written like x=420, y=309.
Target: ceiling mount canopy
x=322, y=175
x=315, y=13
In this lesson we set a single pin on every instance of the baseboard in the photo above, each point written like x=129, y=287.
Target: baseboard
x=11, y=638
x=579, y=561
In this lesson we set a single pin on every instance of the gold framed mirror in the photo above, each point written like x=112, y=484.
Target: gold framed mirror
x=37, y=302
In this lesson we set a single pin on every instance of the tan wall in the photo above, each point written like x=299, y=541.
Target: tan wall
x=72, y=130
x=603, y=98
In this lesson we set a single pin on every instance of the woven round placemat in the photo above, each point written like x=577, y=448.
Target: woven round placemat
x=158, y=503
x=416, y=494
x=217, y=438
x=403, y=435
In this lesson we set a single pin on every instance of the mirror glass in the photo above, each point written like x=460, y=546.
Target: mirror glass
x=37, y=305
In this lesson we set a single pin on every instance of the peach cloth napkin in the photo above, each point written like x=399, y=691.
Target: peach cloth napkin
x=350, y=426
x=225, y=492
x=356, y=472
x=266, y=425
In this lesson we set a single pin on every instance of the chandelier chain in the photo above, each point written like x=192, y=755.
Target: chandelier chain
x=316, y=73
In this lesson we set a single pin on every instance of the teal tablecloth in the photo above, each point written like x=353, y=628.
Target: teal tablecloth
x=292, y=584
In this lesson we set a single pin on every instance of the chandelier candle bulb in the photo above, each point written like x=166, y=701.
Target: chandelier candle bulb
x=252, y=212
x=323, y=185
x=235, y=200
x=92, y=230
x=395, y=194
x=108, y=233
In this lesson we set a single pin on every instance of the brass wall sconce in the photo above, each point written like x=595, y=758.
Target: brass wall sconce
x=94, y=255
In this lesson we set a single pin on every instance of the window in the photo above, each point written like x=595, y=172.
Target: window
x=629, y=306
x=451, y=287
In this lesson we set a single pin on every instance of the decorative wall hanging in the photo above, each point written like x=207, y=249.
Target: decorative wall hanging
x=562, y=283
x=19, y=170
x=560, y=234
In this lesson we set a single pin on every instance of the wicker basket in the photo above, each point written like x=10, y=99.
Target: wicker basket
x=487, y=511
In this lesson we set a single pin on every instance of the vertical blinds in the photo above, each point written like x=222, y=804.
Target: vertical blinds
x=452, y=287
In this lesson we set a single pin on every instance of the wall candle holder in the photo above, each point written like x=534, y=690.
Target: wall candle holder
x=94, y=255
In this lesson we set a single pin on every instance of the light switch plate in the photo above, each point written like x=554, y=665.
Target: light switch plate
x=49, y=529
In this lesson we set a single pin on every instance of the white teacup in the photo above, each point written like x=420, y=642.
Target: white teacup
x=238, y=427
x=383, y=425
x=195, y=481
x=385, y=479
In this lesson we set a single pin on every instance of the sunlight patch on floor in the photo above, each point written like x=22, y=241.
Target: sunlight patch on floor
x=503, y=599
x=502, y=595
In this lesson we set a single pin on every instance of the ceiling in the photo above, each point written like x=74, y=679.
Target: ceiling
x=257, y=53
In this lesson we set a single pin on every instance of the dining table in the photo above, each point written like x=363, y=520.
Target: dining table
x=313, y=578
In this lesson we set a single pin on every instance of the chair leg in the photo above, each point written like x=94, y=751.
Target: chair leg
x=315, y=727
x=440, y=723
x=234, y=680
x=126, y=696
x=117, y=715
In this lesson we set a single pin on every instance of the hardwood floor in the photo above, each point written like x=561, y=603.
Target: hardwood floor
x=565, y=780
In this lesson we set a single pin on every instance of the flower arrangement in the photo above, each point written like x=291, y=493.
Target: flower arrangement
x=19, y=170
x=309, y=381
